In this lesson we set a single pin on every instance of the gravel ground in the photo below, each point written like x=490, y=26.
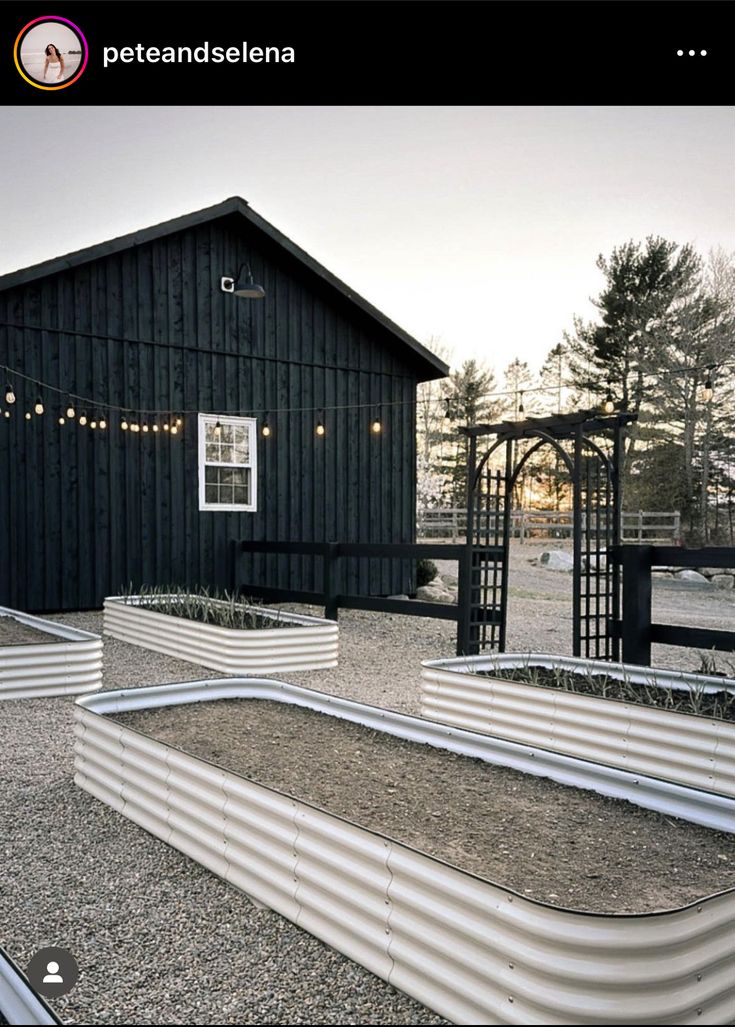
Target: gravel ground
x=160, y=939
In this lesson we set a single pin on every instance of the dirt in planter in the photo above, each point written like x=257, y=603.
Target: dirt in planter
x=694, y=701
x=14, y=632
x=561, y=845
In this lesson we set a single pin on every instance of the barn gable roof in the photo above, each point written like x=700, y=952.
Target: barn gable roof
x=430, y=365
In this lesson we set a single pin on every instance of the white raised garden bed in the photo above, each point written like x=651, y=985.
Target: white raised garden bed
x=69, y=664
x=695, y=751
x=475, y=952
x=309, y=643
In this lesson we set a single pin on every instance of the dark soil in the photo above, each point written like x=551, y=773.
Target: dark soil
x=719, y=705
x=562, y=845
x=13, y=632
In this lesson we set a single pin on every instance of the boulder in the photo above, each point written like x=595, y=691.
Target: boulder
x=428, y=594
x=557, y=560
x=694, y=576
x=713, y=572
x=723, y=580
x=450, y=580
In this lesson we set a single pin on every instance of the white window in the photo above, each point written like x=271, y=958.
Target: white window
x=227, y=462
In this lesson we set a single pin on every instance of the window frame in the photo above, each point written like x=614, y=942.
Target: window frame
x=224, y=419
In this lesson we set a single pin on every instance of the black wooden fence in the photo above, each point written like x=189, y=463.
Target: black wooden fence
x=330, y=597
x=636, y=628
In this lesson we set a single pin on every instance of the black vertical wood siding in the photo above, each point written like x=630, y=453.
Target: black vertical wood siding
x=85, y=513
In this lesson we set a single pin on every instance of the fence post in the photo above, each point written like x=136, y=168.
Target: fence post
x=636, y=612
x=455, y=525
x=522, y=526
x=329, y=559
x=464, y=601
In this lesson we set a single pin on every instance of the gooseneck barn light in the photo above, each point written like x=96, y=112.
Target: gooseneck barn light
x=243, y=284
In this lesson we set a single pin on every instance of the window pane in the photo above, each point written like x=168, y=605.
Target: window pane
x=210, y=494
x=227, y=433
x=232, y=475
x=242, y=452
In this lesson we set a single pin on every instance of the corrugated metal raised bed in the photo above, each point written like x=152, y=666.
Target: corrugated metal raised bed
x=309, y=643
x=695, y=751
x=473, y=951
x=68, y=664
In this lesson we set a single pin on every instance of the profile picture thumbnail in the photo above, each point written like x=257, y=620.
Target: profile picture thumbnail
x=50, y=53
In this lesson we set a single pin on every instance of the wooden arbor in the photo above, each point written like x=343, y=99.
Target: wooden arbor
x=590, y=446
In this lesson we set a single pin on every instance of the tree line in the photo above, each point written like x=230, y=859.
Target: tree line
x=662, y=345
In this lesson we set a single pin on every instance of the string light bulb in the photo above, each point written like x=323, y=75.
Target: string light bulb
x=28, y=415
x=266, y=430
x=39, y=406
x=708, y=390
x=154, y=427
x=9, y=394
x=376, y=427
x=145, y=427
x=179, y=422
x=70, y=411
x=217, y=429
x=165, y=426
x=103, y=423
x=135, y=427
x=83, y=418
x=62, y=419
x=93, y=425
x=608, y=405
x=174, y=429
x=320, y=429
x=7, y=413
x=124, y=424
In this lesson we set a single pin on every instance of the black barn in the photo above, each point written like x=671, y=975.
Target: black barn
x=138, y=332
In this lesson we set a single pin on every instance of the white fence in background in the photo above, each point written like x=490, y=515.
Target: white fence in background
x=641, y=526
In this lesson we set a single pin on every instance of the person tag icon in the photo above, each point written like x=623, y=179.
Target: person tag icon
x=53, y=971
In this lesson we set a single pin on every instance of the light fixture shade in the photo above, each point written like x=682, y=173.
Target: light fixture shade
x=249, y=290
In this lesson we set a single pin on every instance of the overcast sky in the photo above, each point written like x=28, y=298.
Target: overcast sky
x=480, y=225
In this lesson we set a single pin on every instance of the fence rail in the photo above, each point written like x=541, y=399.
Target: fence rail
x=641, y=526
x=469, y=559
